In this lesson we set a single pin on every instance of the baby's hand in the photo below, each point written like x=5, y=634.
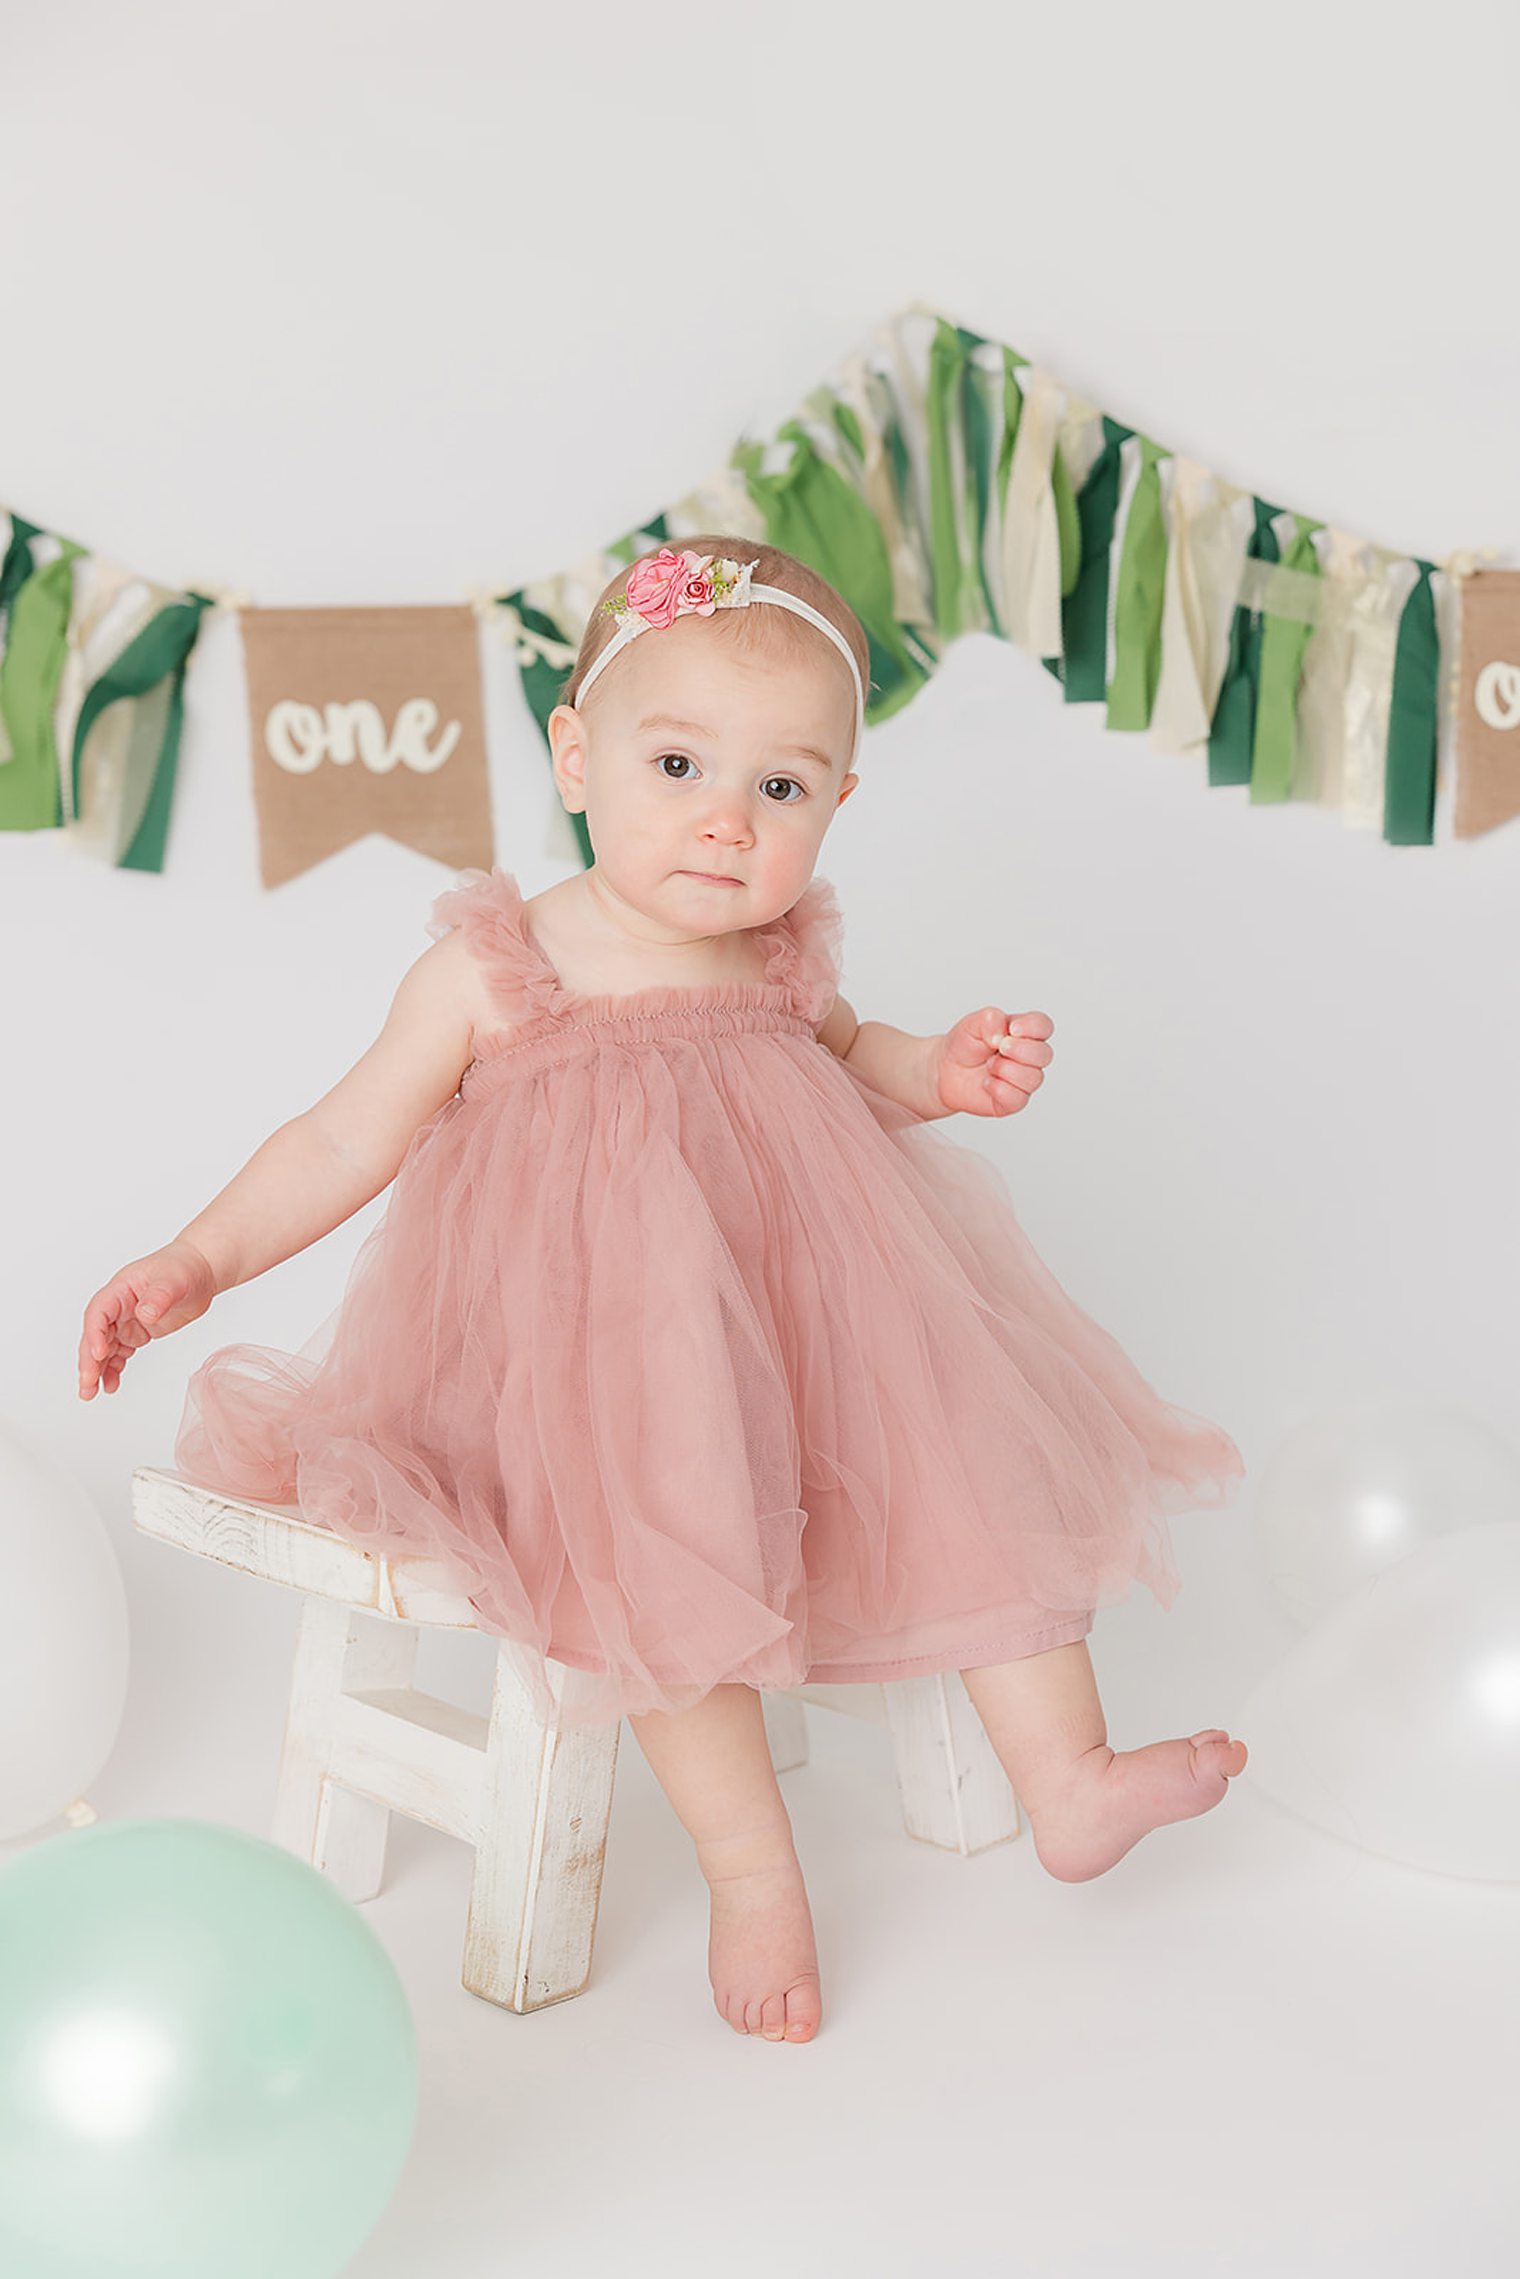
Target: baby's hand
x=150, y=1297
x=991, y=1061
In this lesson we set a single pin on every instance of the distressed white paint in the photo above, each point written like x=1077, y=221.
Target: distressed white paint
x=533, y=1799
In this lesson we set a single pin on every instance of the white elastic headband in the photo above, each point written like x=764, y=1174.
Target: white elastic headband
x=739, y=594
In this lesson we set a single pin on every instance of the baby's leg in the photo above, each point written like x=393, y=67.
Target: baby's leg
x=714, y=1764
x=1088, y=1804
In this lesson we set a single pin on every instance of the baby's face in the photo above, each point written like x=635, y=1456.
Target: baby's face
x=695, y=755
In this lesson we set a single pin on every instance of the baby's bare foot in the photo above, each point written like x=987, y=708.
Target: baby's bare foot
x=1110, y=1800
x=761, y=1957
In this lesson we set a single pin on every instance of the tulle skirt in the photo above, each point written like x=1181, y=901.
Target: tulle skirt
x=710, y=1363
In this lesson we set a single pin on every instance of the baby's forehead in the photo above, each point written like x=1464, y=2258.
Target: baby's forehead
x=721, y=678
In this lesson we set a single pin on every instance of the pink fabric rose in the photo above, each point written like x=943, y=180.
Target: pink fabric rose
x=668, y=583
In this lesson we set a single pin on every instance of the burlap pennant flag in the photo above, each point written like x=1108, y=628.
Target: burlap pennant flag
x=1488, y=703
x=366, y=720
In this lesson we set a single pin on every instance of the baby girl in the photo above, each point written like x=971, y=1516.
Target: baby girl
x=701, y=1355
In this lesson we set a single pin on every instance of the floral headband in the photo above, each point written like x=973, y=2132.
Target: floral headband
x=664, y=586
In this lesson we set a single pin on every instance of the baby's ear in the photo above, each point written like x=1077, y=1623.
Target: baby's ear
x=846, y=788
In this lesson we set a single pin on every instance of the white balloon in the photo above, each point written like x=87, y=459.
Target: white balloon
x=1395, y=1725
x=1349, y=1493
x=63, y=1638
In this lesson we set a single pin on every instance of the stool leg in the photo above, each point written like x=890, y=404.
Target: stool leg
x=785, y=1729
x=954, y=1790
x=338, y=1650
x=539, y=1850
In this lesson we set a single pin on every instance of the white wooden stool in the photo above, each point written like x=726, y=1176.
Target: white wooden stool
x=532, y=1798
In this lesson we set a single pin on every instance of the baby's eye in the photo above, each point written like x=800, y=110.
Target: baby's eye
x=682, y=761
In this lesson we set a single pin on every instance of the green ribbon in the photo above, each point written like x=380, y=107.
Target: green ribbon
x=1013, y=406
x=36, y=650
x=162, y=647
x=18, y=558
x=1232, y=731
x=963, y=600
x=811, y=511
x=1084, y=607
x=1409, y=790
x=1139, y=598
x=1274, y=743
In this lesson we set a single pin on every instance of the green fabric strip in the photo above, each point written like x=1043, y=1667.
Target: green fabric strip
x=1069, y=539
x=18, y=559
x=811, y=511
x=976, y=430
x=1409, y=791
x=1084, y=611
x=1139, y=597
x=1068, y=522
x=1274, y=743
x=953, y=406
x=1232, y=730
x=163, y=647
x=1013, y=405
x=36, y=649
x=947, y=359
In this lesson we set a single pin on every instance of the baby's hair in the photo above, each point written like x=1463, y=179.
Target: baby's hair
x=757, y=627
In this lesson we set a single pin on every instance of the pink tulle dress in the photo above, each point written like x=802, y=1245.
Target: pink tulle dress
x=695, y=1359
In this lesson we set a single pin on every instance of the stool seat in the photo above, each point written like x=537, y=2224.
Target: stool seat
x=532, y=1797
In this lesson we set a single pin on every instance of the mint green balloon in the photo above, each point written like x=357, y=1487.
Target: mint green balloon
x=208, y=2068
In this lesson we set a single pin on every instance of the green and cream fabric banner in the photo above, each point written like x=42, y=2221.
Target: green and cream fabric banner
x=946, y=485
x=92, y=672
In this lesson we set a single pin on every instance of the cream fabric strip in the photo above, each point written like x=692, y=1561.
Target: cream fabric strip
x=901, y=355
x=97, y=634
x=1208, y=525
x=1361, y=602
x=865, y=392
x=1031, y=536
x=1320, y=759
x=111, y=766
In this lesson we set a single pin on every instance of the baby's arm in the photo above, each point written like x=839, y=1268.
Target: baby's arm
x=311, y=1174
x=315, y=1171
x=889, y=1060
x=989, y=1064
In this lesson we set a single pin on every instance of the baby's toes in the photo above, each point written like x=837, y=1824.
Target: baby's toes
x=1218, y=1758
x=804, y=2006
x=772, y=2019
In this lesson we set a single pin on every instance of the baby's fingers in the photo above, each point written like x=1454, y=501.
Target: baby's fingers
x=1011, y=1083
x=1027, y=1049
x=976, y=1036
x=102, y=1367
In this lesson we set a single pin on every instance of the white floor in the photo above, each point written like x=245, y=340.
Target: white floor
x=1248, y=2049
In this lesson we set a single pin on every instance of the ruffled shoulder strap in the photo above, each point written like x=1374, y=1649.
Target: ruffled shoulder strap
x=487, y=906
x=805, y=948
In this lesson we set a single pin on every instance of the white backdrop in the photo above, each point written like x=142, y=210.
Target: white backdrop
x=384, y=312
x=350, y=304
